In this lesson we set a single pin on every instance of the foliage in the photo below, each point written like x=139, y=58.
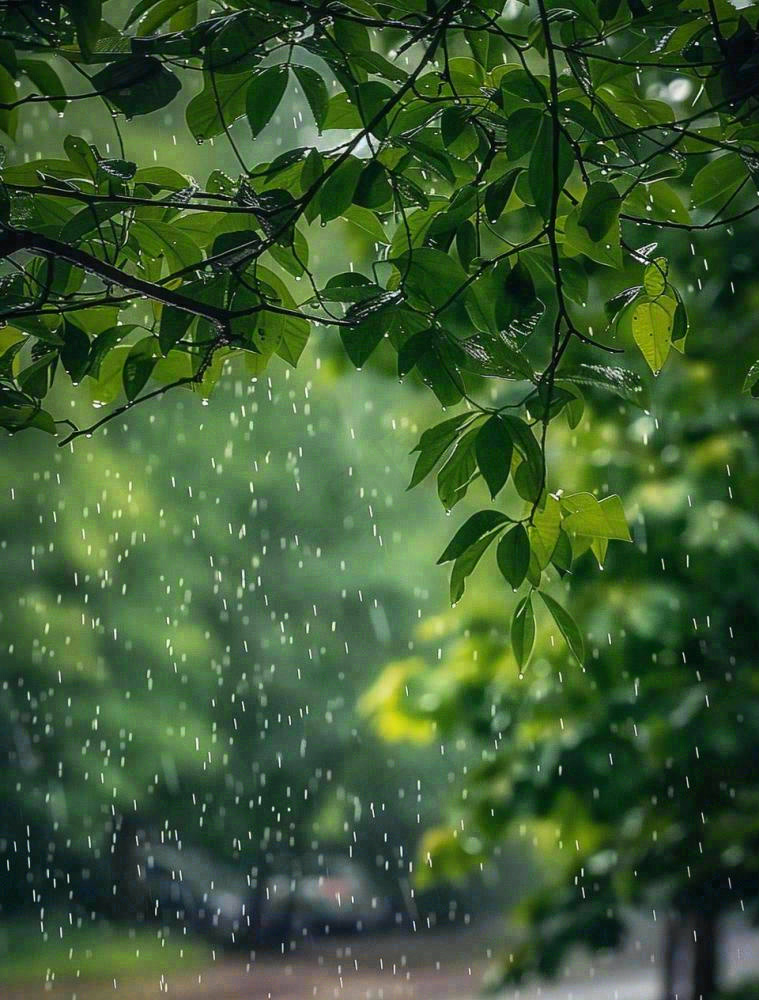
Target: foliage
x=191, y=646
x=507, y=163
x=634, y=774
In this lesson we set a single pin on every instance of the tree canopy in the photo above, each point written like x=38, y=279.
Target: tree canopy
x=633, y=776
x=507, y=165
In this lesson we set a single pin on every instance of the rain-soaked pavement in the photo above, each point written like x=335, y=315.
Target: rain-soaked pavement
x=435, y=966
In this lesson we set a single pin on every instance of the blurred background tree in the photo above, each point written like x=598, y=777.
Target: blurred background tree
x=636, y=773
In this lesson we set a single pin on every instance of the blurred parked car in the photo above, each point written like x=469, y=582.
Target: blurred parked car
x=173, y=883
x=338, y=896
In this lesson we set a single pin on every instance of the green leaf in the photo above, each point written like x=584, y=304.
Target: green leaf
x=599, y=210
x=265, y=92
x=138, y=366
x=75, y=352
x=567, y=626
x=513, y=556
x=575, y=407
x=122, y=170
x=518, y=83
x=137, y=85
x=498, y=193
x=562, y=554
x=103, y=343
x=544, y=531
x=655, y=277
x=238, y=47
x=341, y=113
x=541, y=169
x=433, y=444
x=479, y=524
x=107, y=386
x=315, y=91
x=659, y=202
x=295, y=334
x=8, y=116
x=518, y=308
x=46, y=80
x=622, y=382
x=174, y=325
x=370, y=99
x=161, y=239
x=466, y=243
x=523, y=631
x=413, y=349
x=459, y=135
x=432, y=275
x=751, y=382
x=337, y=191
x=86, y=221
x=373, y=189
x=679, y=325
x=716, y=183
x=493, y=449
x=458, y=471
x=585, y=515
x=87, y=17
x=527, y=446
x=438, y=376
x=522, y=131
x=221, y=102
x=465, y=564
x=652, y=324
x=576, y=238
x=489, y=355
x=361, y=340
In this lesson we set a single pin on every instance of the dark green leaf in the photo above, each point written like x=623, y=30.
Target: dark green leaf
x=87, y=16
x=600, y=209
x=542, y=174
x=434, y=443
x=139, y=365
x=625, y=384
x=498, y=193
x=527, y=446
x=360, y=340
x=465, y=564
x=455, y=476
x=174, y=325
x=493, y=450
x=523, y=631
x=413, y=349
x=264, y=94
x=338, y=189
x=103, y=343
x=221, y=102
x=75, y=352
x=137, y=85
x=751, y=381
x=513, y=555
x=562, y=554
x=472, y=530
x=567, y=626
x=315, y=92
x=459, y=135
x=440, y=377
x=46, y=81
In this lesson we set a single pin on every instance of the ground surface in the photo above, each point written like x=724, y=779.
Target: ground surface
x=430, y=966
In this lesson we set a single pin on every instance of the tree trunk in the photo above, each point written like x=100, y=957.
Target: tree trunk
x=690, y=957
x=259, y=901
x=705, y=959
